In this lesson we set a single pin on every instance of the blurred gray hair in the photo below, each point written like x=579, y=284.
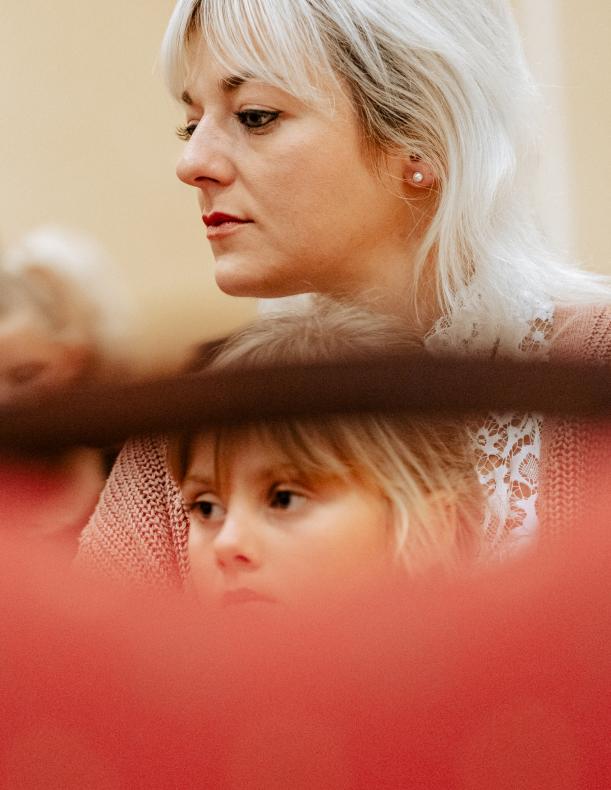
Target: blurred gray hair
x=66, y=281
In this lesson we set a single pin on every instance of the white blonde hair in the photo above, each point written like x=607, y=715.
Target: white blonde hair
x=444, y=80
x=423, y=467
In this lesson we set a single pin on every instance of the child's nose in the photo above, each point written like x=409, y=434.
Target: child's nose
x=237, y=545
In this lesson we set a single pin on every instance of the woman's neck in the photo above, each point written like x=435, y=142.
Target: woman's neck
x=393, y=294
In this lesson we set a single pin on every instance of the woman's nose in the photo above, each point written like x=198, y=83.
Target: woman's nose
x=205, y=160
x=237, y=544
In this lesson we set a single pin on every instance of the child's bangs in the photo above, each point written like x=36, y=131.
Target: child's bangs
x=313, y=449
x=277, y=43
x=316, y=448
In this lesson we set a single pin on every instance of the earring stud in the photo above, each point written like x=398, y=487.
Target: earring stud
x=418, y=177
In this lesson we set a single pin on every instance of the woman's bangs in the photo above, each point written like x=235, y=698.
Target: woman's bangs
x=277, y=43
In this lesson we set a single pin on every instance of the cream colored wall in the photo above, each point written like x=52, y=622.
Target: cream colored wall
x=87, y=140
x=86, y=134
x=585, y=37
x=567, y=44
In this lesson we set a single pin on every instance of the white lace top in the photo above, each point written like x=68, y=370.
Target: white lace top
x=507, y=451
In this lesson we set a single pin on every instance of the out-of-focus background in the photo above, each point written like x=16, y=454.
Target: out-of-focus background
x=86, y=141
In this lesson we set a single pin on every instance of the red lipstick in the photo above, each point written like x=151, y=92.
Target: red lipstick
x=219, y=224
x=218, y=218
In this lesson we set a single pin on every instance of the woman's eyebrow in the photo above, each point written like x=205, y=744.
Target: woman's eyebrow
x=232, y=82
x=227, y=84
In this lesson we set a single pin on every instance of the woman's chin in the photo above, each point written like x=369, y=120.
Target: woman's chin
x=247, y=281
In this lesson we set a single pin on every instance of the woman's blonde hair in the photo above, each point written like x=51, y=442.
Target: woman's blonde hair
x=64, y=283
x=423, y=467
x=444, y=80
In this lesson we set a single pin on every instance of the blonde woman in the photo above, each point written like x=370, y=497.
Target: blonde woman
x=381, y=151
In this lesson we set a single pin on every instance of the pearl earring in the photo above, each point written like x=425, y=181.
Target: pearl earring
x=418, y=177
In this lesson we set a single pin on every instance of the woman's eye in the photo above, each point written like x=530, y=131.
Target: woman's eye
x=256, y=119
x=207, y=509
x=185, y=132
x=286, y=499
x=25, y=373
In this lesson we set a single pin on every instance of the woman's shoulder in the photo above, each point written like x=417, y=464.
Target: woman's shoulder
x=575, y=453
x=131, y=533
x=582, y=332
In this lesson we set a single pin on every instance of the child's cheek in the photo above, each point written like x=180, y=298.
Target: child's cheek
x=204, y=570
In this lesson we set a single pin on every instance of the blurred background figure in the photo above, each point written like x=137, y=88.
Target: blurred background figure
x=64, y=319
x=63, y=313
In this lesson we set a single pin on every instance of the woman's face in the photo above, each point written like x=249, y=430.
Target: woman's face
x=32, y=361
x=289, y=202
x=273, y=535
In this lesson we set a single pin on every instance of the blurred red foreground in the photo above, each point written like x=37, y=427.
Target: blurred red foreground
x=496, y=682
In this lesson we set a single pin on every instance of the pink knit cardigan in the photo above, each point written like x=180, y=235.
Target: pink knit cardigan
x=139, y=529
x=575, y=469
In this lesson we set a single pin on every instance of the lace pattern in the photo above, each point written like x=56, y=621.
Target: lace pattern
x=507, y=448
x=507, y=451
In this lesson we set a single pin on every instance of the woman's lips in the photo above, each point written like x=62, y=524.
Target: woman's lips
x=219, y=224
x=244, y=595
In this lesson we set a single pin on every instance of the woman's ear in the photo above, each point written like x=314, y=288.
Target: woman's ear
x=417, y=173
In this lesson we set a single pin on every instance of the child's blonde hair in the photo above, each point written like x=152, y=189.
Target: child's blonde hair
x=423, y=467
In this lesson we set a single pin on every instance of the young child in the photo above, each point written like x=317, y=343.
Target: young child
x=289, y=510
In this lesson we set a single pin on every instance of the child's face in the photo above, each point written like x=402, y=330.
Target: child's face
x=274, y=536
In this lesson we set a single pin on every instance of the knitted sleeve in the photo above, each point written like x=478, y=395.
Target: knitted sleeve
x=135, y=532
x=576, y=453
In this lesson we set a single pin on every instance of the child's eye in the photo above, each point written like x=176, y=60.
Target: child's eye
x=185, y=132
x=286, y=499
x=256, y=119
x=207, y=508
